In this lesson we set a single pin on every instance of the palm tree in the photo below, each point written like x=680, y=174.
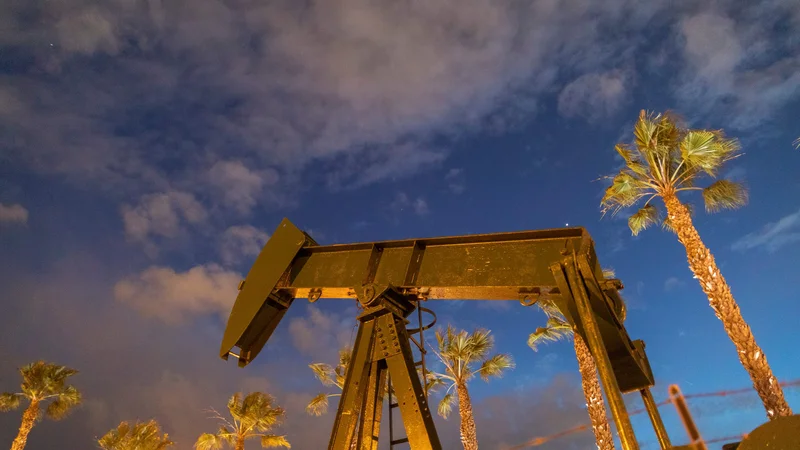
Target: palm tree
x=666, y=160
x=464, y=356
x=41, y=382
x=252, y=417
x=329, y=376
x=140, y=436
x=558, y=328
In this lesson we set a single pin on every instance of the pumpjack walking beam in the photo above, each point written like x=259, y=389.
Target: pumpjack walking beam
x=559, y=264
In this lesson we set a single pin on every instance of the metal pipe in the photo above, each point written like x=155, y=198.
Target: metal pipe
x=655, y=418
x=677, y=399
x=595, y=341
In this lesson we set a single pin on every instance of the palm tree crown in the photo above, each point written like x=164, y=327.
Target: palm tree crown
x=666, y=159
x=465, y=355
x=329, y=376
x=44, y=381
x=140, y=436
x=251, y=417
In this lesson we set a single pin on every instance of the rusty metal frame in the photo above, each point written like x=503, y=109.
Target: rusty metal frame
x=525, y=266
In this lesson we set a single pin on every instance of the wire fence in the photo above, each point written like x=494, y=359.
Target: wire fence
x=535, y=442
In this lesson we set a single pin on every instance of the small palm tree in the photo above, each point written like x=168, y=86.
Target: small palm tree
x=329, y=376
x=558, y=328
x=464, y=356
x=41, y=382
x=251, y=418
x=667, y=160
x=140, y=436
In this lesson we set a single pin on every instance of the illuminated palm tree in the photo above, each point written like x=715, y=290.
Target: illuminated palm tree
x=667, y=160
x=329, y=376
x=140, y=436
x=41, y=382
x=558, y=328
x=251, y=417
x=464, y=356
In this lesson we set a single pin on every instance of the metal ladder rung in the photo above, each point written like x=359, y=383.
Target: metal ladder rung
x=399, y=441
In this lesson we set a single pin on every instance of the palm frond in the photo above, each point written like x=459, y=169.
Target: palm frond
x=271, y=440
x=446, y=405
x=549, y=308
x=609, y=272
x=9, y=401
x=626, y=188
x=554, y=331
x=495, y=366
x=61, y=406
x=724, y=194
x=208, y=441
x=642, y=219
x=796, y=143
x=318, y=405
x=434, y=382
x=324, y=373
x=707, y=150
x=631, y=161
x=479, y=344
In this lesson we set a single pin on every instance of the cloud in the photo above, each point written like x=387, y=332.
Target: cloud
x=772, y=236
x=240, y=186
x=738, y=64
x=456, y=180
x=241, y=242
x=673, y=283
x=402, y=202
x=161, y=215
x=170, y=296
x=248, y=94
x=596, y=96
x=15, y=213
x=320, y=335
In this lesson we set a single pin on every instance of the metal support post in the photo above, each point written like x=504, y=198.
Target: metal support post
x=655, y=418
x=595, y=341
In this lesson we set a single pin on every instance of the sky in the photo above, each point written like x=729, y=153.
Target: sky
x=149, y=148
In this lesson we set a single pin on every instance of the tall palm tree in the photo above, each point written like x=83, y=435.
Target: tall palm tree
x=140, y=436
x=558, y=328
x=329, y=376
x=667, y=160
x=41, y=382
x=251, y=417
x=465, y=355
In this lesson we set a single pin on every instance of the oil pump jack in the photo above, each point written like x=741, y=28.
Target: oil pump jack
x=392, y=279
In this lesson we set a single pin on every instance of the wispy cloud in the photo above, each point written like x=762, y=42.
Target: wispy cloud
x=403, y=202
x=456, y=180
x=15, y=213
x=596, y=96
x=772, y=236
x=673, y=283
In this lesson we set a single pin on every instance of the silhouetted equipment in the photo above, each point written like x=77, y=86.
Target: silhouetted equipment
x=782, y=433
x=391, y=278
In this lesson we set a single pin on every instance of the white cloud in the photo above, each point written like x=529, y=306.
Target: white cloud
x=172, y=296
x=241, y=242
x=15, y=213
x=320, y=335
x=241, y=187
x=738, y=67
x=673, y=283
x=456, y=180
x=596, y=96
x=161, y=215
x=773, y=236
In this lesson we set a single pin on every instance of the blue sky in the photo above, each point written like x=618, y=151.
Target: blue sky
x=149, y=148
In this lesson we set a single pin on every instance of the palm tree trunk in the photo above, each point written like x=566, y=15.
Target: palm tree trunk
x=594, y=396
x=469, y=434
x=239, y=443
x=28, y=420
x=705, y=269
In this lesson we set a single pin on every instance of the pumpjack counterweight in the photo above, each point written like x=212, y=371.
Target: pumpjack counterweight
x=390, y=278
